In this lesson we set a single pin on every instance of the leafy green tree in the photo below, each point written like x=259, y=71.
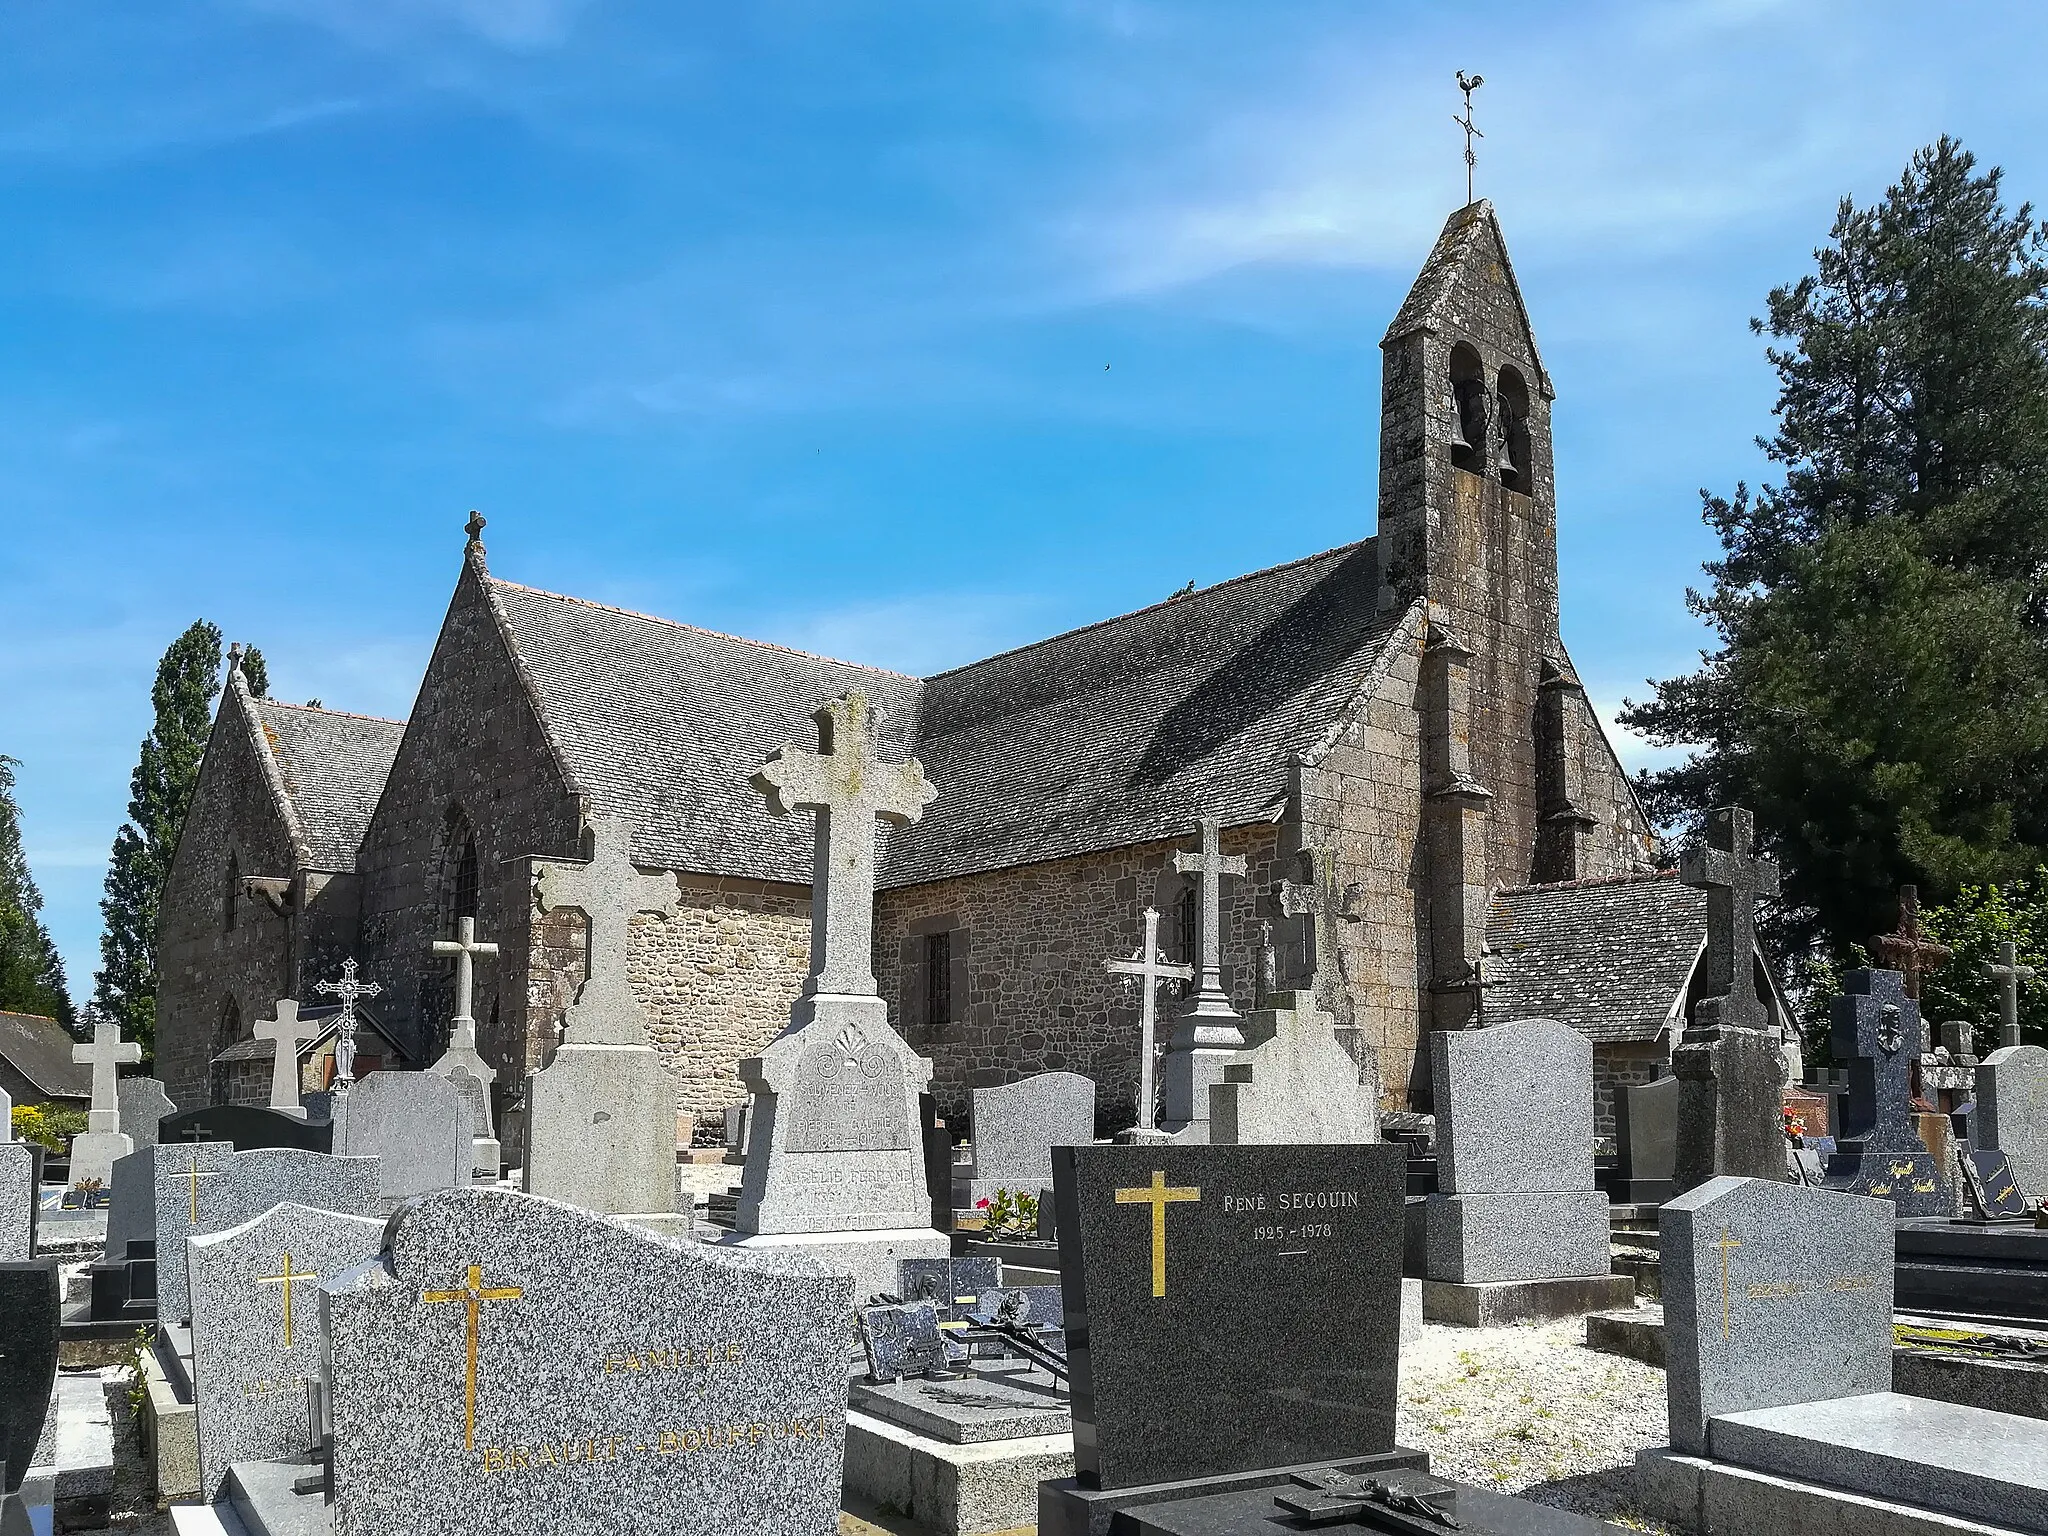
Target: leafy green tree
x=1878, y=690
x=255, y=673
x=1976, y=925
x=31, y=971
x=159, y=794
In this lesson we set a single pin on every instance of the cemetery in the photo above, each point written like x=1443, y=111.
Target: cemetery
x=1250, y=1066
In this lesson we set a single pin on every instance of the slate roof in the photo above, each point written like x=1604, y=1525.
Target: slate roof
x=250, y=1048
x=334, y=766
x=1117, y=733
x=1124, y=731
x=1612, y=958
x=40, y=1050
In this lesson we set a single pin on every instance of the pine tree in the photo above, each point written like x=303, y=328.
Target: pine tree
x=159, y=793
x=31, y=971
x=1879, y=691
x=255, y=673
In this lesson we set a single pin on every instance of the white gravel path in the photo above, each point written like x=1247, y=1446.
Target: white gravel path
x=1532, y=1411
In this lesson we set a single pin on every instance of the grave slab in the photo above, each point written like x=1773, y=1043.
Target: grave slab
x=1963, y=1461
x=1498, y=1303
x=1017, y=1125
x=2012, y=1112
x=416, y=1123
x=951, y=1489
x=1691, y=1493
x=1253, y=1513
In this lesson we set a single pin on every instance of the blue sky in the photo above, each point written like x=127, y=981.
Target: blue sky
x=902, y=331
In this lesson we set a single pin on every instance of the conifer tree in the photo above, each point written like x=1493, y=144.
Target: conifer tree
x=1878, y=694
x=255, y=673
x=159, y=794
x=31, y=971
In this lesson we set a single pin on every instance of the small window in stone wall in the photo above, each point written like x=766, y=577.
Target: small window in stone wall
x=465, y=882
x=938, y=979
x=231, y=889
x=1184, y=927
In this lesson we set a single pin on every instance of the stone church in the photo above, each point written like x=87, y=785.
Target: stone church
x=1390, y=731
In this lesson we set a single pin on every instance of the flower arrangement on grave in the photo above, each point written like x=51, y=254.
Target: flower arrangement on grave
x=1009, y=1214
x=1795, y=1126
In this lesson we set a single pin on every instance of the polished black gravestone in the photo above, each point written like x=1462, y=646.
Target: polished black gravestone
x=954, y=1285
x=1277, y=1512
x=1878, y=1031
x=903, y=1339
x=1994, y=1195
x=248, y=1126
x=1972, y=1269
x=28, y=1360
x=1229, y=1308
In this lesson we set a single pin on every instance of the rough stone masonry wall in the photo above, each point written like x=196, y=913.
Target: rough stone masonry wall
x=1364, y=800
x=1616, y=1067
x=473, y=745
x=1037, y=996
x=201, y=962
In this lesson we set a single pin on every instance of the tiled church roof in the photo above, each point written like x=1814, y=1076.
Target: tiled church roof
x=334, y=766
x=1109, y=735
x=40, y=1050
x=1611, y=958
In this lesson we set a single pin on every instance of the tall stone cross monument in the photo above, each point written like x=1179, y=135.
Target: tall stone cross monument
x=287, y=1032
x=2009, y=974
x=1730, y=1066
x=835, y=1155
x=1323, y=906
x=601, y=1117
x=1210, y=1031
x=1907, y=949
x=93, y=1154
x=462, y=1063
x=1149, y=966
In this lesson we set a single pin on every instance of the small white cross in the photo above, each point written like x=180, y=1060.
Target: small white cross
x=287, y=1032
x=465, y=946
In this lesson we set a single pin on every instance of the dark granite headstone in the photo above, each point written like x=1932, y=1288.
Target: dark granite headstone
x=28, y=1360
x=1646, y=1141
x=247, y=1126
x=1994, y=1194
x=1877, y=1030
x=1229, y=1308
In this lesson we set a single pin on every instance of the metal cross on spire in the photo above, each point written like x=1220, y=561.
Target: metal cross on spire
x=1468, y=84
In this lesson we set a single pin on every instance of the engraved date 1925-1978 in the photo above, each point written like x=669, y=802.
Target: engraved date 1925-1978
x=1293, y=1234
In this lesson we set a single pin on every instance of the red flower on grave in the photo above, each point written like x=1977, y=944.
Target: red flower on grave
x=981, y=1204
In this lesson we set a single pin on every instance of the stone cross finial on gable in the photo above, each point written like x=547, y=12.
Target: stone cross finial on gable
x=1211, y=866
x=610, y=891
x=1735, y=877
x=475, y=529
x=287, y=1032
x=465, y=947
x=1150, y=966
x=106, y=1053
x=1326, y=904
x=2009, y=974
x=1908, y=950
x=850, y=789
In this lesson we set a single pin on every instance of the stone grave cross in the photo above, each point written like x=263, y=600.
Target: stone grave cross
x=849, y=789
x=465, y=947
x=287, y=1032
x=1327, y=906
x=106, y=1053
x=1884, y=1043
x=1211, y=867
x=1150, y=967
x=1907, y=949
x=609, y=891
x=2009, y=974
x=1734, y=877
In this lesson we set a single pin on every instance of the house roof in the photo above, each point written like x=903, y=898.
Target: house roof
x=252, y=1049
x=40, y=1050
x=1612, y=958
x=333, y=766
x=1117, y=733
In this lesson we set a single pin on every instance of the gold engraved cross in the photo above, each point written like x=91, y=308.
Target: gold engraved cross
x=473, y=1294
x=1158, y=1196
x=192, y=1178
x=287, y=1278
x=1725, y=1245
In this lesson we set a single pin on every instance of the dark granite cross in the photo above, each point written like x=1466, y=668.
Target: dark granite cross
x=1211, y=866
x=1326, y=904
x=1877, y=1031
x=2009, y=974
x=1735, y=878
x=1908, y=950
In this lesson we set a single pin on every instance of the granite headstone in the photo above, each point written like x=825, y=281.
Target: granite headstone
x=514, y=1366
x=28, y=1359
x=1773, y=1294
x=1877, y=1030
x=144, y=1105
x=1016, y=1126
x=181, y=1170
x=1255, y=1289
x=21, y=1170
x=2012, y=1112
x=1995, y=1194
x=1297, y=1082
x=256, y=1329
x=131, y=1214
x=903, y=1339
x=417, y=1123
x=1514, y=1117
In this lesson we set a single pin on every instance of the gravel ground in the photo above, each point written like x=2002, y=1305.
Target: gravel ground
x=1532, y=1411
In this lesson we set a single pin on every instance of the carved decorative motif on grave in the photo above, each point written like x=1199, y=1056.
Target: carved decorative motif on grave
x=835, y=1112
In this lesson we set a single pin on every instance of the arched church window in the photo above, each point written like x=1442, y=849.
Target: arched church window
x=1468, y=417
x=231, y=888
x=1514, y=431
x=464, y=904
